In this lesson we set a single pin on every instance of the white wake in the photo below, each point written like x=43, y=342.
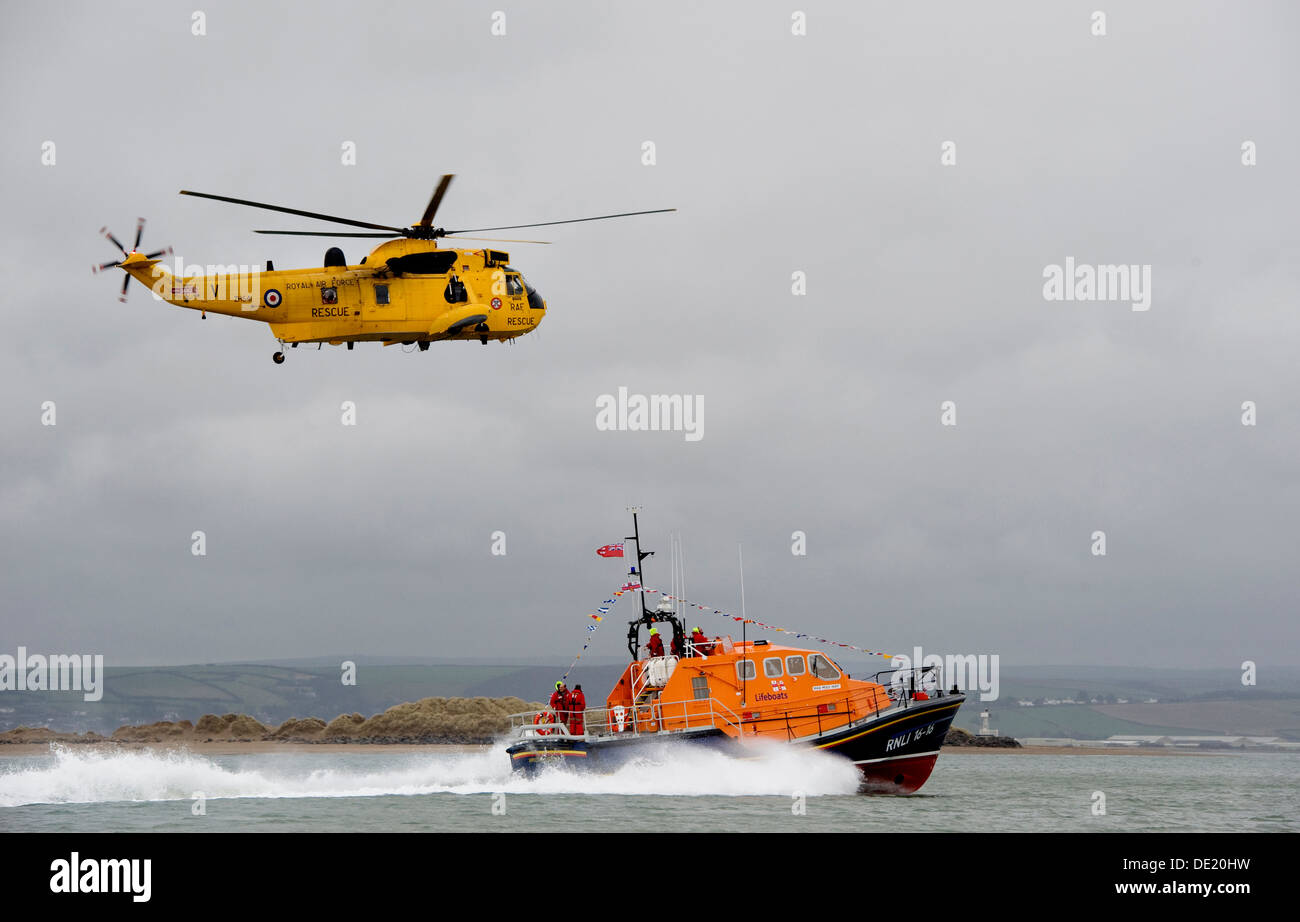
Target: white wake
x=75, y=775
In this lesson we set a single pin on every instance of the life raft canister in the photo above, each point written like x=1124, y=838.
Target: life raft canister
x=541, y=720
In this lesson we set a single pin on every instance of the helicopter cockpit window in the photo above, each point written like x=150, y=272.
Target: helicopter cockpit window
x=514, y=287
x=534, y=299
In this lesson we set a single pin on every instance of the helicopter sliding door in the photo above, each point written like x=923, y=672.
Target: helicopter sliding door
x=382, y=299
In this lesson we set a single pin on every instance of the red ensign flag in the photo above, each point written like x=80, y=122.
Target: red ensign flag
x=610, y=550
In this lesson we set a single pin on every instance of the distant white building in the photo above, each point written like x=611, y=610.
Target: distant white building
x=985, y=730
x=1207, y=741
x=1076, y=744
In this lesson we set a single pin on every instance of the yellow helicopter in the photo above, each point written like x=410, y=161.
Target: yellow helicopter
x=406, y=290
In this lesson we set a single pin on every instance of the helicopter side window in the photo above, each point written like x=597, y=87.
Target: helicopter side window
x=455, y=292
x=381, y=294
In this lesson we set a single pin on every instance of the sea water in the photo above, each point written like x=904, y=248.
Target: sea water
x=74, y=788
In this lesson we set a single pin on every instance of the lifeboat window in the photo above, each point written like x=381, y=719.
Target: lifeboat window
x=772, y=667
x=700, y=687
x=822, y=668
x=794, y=665
x=745, y=669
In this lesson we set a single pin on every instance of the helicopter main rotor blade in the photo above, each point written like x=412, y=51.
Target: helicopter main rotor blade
x=427, y=219
x=604, y=217
x=117, y=243
x=139, y=231
x=493, y=239
x=306, y=214
x=324, y=233
x=126, y=280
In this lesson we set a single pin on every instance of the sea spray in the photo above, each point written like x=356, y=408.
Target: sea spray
x=74, y=774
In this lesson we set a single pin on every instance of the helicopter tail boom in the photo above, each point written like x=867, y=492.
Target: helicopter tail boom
x=191, y=291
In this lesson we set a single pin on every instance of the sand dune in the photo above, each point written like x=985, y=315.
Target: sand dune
x=429, y=720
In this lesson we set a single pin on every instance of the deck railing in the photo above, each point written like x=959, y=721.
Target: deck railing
x=620, y=720
x=757, y=719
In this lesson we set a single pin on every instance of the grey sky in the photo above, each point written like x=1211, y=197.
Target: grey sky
x=818, y=153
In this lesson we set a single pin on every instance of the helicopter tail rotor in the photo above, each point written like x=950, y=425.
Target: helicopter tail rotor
x=126, y=254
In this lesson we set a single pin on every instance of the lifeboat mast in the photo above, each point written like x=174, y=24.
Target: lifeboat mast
x=648, y=617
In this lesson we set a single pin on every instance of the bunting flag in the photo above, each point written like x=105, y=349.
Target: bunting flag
x=771, y=627
x=598, y=616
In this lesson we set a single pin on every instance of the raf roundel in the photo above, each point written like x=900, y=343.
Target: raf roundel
x=496, y=304
x=271, y=298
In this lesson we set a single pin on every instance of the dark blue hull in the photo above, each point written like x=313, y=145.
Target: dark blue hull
x=608, y=753
x=895, y=750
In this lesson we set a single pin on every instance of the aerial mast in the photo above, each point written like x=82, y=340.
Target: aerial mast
x=648, y=617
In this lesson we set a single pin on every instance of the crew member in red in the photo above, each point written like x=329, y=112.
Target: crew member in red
x=701, y=643
x=656, y=643
x=560, y=701
x=577, y=705
x=676, y=645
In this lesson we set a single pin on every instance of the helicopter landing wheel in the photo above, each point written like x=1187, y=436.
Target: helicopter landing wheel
x=424, y=345
x=278, y=358
x=483, y=340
